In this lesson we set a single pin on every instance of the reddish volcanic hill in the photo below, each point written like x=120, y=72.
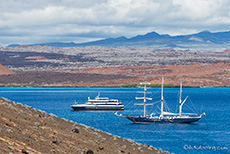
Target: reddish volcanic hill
x=227, y=51
x=5, y=71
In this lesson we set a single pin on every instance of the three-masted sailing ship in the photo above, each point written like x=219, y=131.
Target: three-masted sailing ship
x=164, y=117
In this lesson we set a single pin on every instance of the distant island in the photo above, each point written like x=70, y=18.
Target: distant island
x=200, y=60
x=112, y=67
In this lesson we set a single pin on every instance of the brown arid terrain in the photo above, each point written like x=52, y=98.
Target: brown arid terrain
x=53, y=78
x=196, y=75
x=5, y=71
x=24, y=129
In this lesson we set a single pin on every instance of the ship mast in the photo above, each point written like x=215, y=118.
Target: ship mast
x=144, y=98
x=180, y=101
x=180, y=106
x=144, y=103
x=162, y=98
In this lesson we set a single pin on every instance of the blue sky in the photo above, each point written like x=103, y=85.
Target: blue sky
x=37, y=21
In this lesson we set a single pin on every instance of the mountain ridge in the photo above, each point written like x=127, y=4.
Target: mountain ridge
x=149, y=39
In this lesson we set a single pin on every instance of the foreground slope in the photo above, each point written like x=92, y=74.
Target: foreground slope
x=26, y=130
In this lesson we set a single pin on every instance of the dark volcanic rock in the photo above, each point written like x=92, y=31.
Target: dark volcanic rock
x=45, y=77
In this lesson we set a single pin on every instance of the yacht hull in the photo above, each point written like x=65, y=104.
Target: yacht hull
x=96, y=108
x=99, y=104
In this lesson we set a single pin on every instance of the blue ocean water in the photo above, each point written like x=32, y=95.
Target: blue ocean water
x=209, y=135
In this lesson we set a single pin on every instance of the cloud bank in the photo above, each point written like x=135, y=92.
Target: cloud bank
x=26, y=21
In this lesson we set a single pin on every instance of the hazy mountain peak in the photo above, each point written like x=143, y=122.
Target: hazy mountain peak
x=205, y=32
x=153, y=38
x=152, y=34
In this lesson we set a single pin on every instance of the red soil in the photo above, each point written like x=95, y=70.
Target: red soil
x=5, y=71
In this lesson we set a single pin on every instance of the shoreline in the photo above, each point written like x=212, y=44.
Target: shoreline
x=108, y=87
x=23, y=128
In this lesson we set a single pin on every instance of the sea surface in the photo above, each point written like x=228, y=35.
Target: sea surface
x=209, y=135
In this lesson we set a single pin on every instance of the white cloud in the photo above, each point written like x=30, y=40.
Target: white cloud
x=46, y=20
x=196, y=9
